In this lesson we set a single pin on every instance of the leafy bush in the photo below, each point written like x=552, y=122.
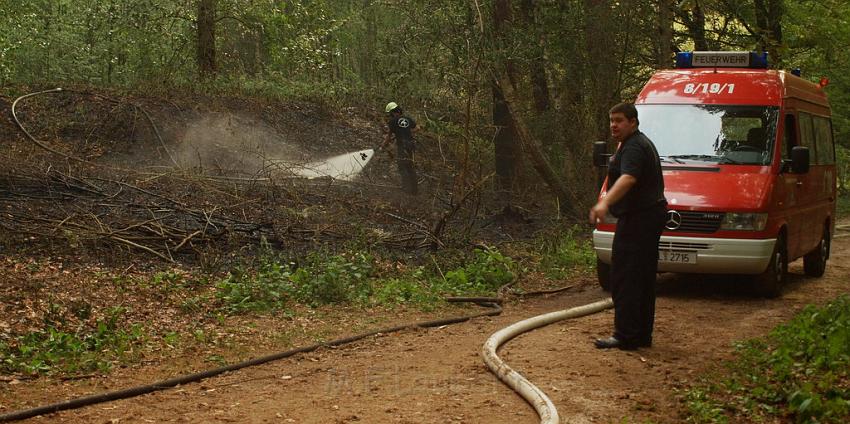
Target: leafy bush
x=802, y=370
x=334, y=279
x=566, y=254
x=269, y=287
x=843, y=205
x=51, y=349
x=842, y=162
x=322, y=279
x=406, y=290
x=488, y=271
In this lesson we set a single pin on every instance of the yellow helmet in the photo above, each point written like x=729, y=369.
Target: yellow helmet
x=391, y=106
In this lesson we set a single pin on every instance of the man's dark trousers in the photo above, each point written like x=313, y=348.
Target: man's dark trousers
x=409, y=183
x=634, y=264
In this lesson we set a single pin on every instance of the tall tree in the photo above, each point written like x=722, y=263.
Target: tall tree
x=206, y=38
x=602, y=61
x=537, y=66
x=769, y=27
x=367, y=57
x=533, y=149
x=693, y=17
x=505, y=145
x=664, y=45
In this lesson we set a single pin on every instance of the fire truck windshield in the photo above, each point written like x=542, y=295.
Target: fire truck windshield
x=735, y=135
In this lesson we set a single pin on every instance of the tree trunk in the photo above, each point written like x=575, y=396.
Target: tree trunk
x=367, y=62
x=206, y=38
x=505, y=145
x=537, y=69
x=695, y=22
x=532, y=147
x=602, y=64
x=700, y=42
x=769, y=26
x=665, y=34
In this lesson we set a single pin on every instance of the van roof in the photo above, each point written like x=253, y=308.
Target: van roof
x=728, y=86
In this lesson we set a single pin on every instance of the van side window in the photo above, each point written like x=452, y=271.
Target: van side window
x=807, y=135
x=789, y=139
x=823, y=140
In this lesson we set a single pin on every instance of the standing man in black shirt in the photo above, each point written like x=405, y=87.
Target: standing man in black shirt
x=402, y=127
x=636, y=198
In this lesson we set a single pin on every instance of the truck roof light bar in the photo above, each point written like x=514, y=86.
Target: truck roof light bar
x=697, y=59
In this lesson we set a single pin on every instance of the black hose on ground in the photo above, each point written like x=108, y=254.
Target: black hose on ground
x=44, y=145
x=31, y=137
x=80, y=402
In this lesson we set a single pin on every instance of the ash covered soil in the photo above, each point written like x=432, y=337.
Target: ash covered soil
x=78, y=235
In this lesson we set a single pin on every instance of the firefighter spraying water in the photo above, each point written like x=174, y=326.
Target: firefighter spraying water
x=402, y=128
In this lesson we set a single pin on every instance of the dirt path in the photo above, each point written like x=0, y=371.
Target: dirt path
x=430, y=376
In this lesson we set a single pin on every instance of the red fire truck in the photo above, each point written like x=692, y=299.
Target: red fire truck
x=749, y=169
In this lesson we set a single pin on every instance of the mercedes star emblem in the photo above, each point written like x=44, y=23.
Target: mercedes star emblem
x=674, y=220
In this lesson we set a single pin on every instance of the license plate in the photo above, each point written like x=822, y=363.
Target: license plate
x=677, y=257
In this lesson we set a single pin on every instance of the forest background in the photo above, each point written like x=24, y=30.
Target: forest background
x=518, y=89
x=565, y=62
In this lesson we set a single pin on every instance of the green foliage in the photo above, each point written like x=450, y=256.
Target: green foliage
x=167, y=278
x=100, y=42
x=842, y=163
x=52, y=349
x=802, y=370
x=323, y=278
x=269, y=287
x=843, y=206
x=703, y=409
x=405, y=290
x=816, y=36
x=306, y=31
x=166, y=282
x=334, y=279
x=277, y=86
x=488, y=271
x=566, y=254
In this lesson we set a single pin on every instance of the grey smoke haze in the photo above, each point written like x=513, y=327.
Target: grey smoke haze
x=227, y=144
x=230, y=144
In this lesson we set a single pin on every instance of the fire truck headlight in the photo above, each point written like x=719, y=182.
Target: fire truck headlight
x=744, y=221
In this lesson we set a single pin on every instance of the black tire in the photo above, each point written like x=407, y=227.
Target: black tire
x=814, y=263
x=770, y=282
x=603, y=274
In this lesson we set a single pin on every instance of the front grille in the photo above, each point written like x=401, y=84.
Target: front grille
x=676, y=245
x=697, y=222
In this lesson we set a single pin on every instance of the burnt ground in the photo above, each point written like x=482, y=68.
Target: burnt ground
x=80, y=237
x=118, y=188
x=191, y=179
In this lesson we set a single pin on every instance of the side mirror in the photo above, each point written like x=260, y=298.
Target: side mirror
x=600, y=154
x=799, y=159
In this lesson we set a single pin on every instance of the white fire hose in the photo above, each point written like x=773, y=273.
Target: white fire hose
x=531, y=393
